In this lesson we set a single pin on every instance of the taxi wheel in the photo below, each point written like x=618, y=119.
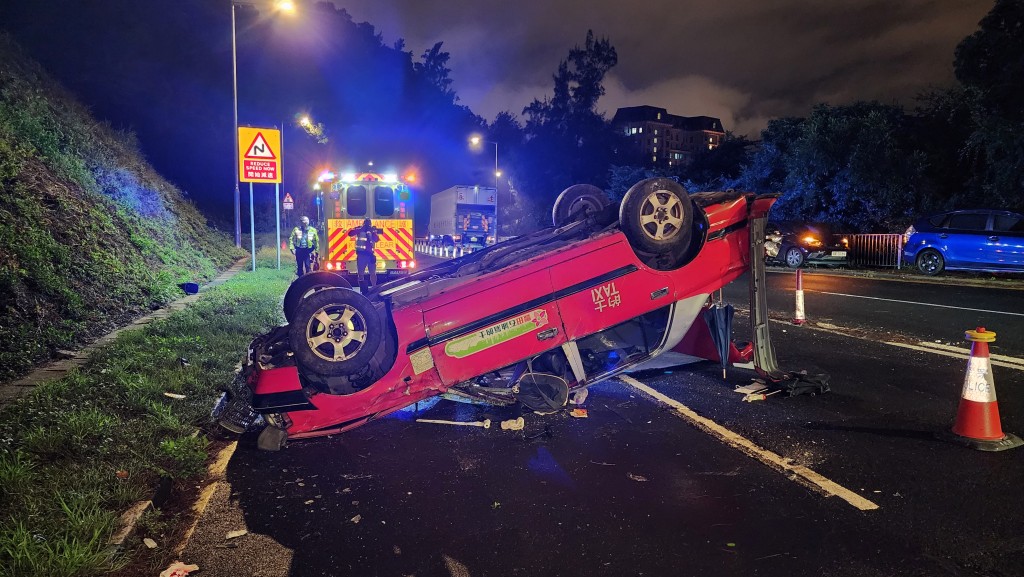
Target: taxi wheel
x=308, y=284
x=577, y=203
x=657, y=217
x=335, y=332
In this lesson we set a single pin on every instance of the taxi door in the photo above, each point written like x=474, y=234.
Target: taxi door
x=493, y=323
x=605, y=287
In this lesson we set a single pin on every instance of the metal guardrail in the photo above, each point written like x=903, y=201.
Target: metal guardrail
x=881, y=250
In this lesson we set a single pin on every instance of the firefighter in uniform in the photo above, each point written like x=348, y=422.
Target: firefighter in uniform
x=303, y=241
x=366, y=258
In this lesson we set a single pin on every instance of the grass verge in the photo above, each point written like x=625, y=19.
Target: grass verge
x=78, y=451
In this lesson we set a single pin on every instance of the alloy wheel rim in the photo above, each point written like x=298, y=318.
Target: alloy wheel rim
x=661, y=215
x=336, y=332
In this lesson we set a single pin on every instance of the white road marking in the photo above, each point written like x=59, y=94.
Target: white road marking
x=799, y=473
x=967, y=352
x=1015, y=364
x=920, y=303
x=926, y=347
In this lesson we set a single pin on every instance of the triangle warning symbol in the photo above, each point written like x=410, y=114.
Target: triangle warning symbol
x=259, y=148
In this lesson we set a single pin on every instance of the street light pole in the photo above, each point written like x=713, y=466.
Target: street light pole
x=234, y=153
x=495, y=192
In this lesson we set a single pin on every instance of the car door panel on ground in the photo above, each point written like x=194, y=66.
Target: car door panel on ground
x=488, y=326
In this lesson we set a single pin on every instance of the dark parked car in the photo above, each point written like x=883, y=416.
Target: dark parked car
x=981, y=240
x=794, y=244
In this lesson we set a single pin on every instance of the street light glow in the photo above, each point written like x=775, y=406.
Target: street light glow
x=286, y=6
x=304, y=121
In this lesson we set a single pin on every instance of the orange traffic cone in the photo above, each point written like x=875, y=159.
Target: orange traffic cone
x=977, y=419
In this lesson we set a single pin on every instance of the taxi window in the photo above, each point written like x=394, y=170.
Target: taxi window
x=623, y=344
x=384, y=201
x=356, y=200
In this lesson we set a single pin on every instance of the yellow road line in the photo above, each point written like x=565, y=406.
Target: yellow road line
x=216, y=472
x=799, y=473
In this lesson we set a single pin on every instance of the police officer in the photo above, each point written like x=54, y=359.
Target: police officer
x=303, y=241
x=366, y=241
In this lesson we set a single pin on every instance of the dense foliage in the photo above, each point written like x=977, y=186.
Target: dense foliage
x=91, y=236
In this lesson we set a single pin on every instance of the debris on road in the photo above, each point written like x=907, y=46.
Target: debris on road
x=751, y=397
x=755, y=387
x=173, y=395
x=486, y=423
x=513, y=424
x=236, y=534
x=151, y=544
x=356, y=519
x=639, y=478
x=178, y=569
x=579, y=413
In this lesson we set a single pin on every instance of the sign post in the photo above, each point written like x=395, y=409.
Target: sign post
x=259, y=160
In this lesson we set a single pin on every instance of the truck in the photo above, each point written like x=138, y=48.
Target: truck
x=463, y=217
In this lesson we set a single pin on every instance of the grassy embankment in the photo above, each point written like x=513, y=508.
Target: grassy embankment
x=90, y=235
x=77, y=452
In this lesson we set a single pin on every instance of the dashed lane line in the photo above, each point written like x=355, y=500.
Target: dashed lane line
x=799, y=473
x=920, y=303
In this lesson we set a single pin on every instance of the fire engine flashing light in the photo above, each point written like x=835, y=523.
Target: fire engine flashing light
x=325, y=176
x=348, y=176
x=390, y=177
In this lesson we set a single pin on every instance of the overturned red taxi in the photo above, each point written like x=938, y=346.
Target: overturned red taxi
x=528, y=320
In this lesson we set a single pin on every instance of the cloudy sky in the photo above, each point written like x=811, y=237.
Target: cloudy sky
x=740, y=60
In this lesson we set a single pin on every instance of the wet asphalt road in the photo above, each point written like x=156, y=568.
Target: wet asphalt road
x=634, y=489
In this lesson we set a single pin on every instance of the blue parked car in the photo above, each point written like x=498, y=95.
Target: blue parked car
x=981, y=240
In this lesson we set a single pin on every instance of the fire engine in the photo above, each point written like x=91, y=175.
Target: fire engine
x=388, y=203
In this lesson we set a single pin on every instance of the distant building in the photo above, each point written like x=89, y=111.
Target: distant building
x=663, y=139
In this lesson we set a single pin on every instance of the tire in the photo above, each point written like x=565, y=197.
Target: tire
x=335, y=348
x=930, y=262
x=577, y=203
x=306, y=285
x=794, y=257
x=656, y=216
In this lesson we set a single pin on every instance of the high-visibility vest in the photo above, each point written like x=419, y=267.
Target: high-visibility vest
x=307, y=240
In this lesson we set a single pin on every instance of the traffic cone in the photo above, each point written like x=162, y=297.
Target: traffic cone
x=798, y=316
x=977, y=419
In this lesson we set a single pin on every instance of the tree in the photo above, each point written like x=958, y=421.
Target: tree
x=848, y=166
x=568, y=141
x=434, y=69
x=990, y=65
x=720, y=167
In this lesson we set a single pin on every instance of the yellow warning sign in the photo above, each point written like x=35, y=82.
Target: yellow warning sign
x=259, y=154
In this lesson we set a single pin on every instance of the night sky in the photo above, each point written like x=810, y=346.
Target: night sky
x=744, y=61
x=163, y=69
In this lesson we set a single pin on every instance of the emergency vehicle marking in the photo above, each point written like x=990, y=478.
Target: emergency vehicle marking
x=605, y=296
x=395, y=241
x=496, y=334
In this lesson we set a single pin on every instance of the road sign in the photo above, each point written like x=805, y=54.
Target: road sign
x=289, y=203
x=259, y=154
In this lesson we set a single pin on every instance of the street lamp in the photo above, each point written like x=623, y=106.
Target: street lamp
x=477, y=141
x=286, y=6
